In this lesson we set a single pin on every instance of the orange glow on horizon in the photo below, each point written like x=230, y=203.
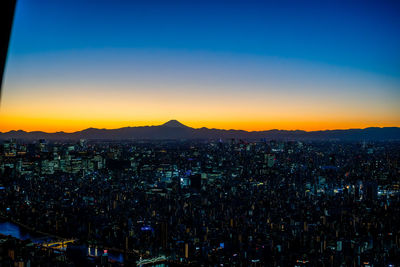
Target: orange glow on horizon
x=69, y=113
x=70, y=125
x=71, y=109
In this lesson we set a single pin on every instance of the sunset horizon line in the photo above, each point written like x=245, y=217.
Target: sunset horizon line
x=184, y=124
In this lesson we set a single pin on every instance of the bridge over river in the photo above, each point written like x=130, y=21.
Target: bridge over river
x=23, y=232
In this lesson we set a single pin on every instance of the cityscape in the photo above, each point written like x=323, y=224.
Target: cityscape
x=176, y=202
x=200, y=133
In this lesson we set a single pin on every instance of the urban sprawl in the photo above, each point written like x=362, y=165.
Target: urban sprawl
x=200, y=203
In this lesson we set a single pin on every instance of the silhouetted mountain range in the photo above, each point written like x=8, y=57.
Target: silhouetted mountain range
x=173, y=129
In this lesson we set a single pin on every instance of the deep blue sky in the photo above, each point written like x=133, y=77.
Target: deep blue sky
x=358, y=34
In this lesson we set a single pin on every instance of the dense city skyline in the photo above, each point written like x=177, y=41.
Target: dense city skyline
x=199, y=203
x=309, y=66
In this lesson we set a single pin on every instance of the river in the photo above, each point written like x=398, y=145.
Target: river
x=12, y=229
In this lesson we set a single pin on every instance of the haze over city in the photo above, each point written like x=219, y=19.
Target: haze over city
x=226, y=65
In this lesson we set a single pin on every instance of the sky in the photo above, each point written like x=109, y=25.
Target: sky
x=251, y=65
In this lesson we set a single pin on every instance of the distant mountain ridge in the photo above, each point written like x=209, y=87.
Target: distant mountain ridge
x=173, y=129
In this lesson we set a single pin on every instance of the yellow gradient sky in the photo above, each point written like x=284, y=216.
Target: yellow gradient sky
x=51, y=107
